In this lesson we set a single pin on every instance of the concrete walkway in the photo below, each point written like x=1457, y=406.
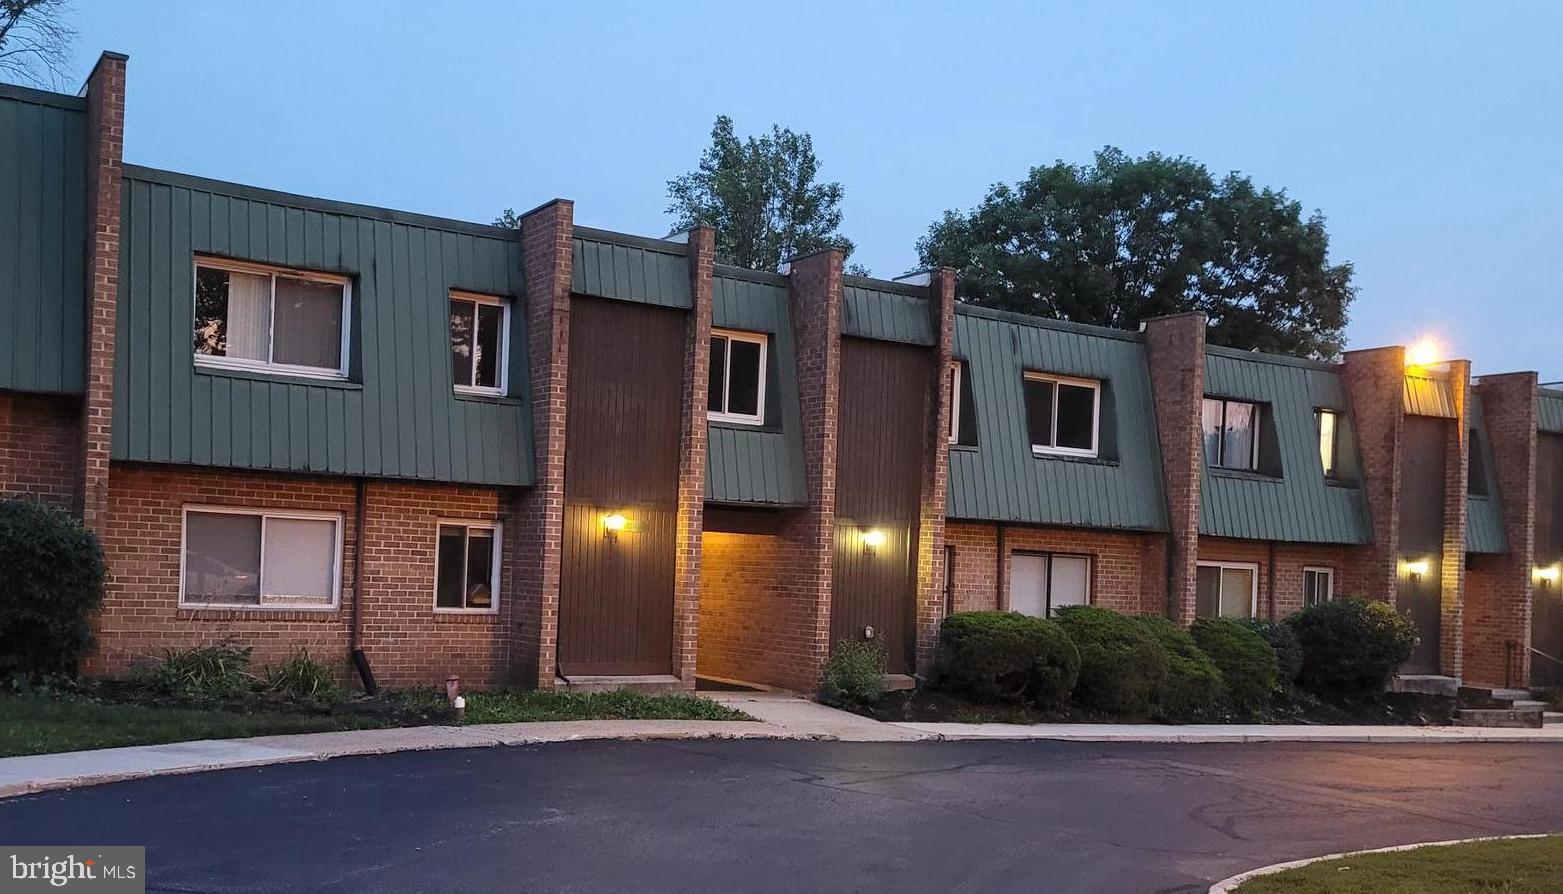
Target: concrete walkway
x=1214, y=733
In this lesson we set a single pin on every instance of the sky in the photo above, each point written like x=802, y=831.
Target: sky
x=1430, y=135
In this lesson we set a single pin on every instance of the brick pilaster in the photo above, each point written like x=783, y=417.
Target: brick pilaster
x=692, y=457
x=1175, y=356
x=814, y=299
x=936, y=472
x=1375, y=388
x=536, y=538
x=1451, y=646
x=1498, y=589
x=105, y=159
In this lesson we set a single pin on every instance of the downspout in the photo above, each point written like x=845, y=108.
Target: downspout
x=1000, y=601
x=1270, y=580
x=360, y=660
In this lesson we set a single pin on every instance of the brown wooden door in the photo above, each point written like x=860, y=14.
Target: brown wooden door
x=1419, y=598
x=1546, y=623
x=1546, y=634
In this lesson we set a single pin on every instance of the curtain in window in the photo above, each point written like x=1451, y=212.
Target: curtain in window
x=249, y=315
x=1237, y=592
x=1211, y=420
x=1239, y=442
x=222, y=557
x=300, y=559
x=308, y=330
x=1069, y=582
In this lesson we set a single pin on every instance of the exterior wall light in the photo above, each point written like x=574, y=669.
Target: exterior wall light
x=1424, y=352
x=612, y=524
x=1548, y=574
x=873, y=539
x=1414, y=567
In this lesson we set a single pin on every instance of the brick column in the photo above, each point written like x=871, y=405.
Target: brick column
x=692, y=457
x=1175, y=356
x=536, y=537
x=1498, y=593
x=105, y=160
x=935, y=473
x=814, y=300
x=1451, y=646
x=1375, y=388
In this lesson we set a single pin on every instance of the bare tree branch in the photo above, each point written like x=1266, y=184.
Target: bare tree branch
x=35, y=42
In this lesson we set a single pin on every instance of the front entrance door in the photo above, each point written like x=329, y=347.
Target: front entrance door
x=1419, y=598
x=1546, y=634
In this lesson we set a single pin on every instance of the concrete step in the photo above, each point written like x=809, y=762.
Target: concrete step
x=1551, y=718
x=1525, y=704
x=1498, y=717
x=649, y=683
x=1427, y=684
x=1484, y=694
x=898, y=682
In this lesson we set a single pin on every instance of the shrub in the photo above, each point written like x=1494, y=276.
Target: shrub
x=1247, y=663
x=301, y=676
x=1288, y=651
x=854, y=675
x=51, y=580
x=1193, y=689
x=1122, y=667
x=203, y=673
x=1351, y=646
x=1006, y=657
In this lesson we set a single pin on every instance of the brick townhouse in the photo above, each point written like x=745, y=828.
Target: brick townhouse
x=564, y=456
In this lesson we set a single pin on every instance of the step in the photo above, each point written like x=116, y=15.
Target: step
x=1551, y=718
x=648, y=683
x=1498, y=717
x=1492, y=694
x=1426, y=684
x=898, y=682
x=1525, y=704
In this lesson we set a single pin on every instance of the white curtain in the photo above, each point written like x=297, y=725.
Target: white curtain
x=249, y=315
x=299, y=560
x=1070, y=581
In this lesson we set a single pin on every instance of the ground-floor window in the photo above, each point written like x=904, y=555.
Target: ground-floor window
x=265, y=558
x=1041, y=583
x=1226, y=590
x=467, y=574
x=1318, y=585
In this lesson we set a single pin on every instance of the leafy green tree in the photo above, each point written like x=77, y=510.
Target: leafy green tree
x=1125, y=239
x=761, y=196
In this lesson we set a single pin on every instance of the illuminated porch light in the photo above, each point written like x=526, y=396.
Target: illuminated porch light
x=1548, y=574
x=1425, y=351
x=1414, y=567
x=873, y=539
x=612, y=524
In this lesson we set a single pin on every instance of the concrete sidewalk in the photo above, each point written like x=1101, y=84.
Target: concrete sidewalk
x=1218, y=733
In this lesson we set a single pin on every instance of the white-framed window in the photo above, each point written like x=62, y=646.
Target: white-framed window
x=1042, y=583
x=271, y=319
x=466, y=567
x=736, y=391
x=1226, y=590
x=1329, y=440
x=1318, y=585
x=1062, y=414
x=953, y=384
x=479, y=343
x=260, y=558
x=1231, y=434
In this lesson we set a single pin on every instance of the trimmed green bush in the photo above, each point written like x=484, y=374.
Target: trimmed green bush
x=1122, y=666
x=204, y=673
x=1288, y=651
x=1351, y=646
x=1006, y=657
x=1247, y=663
x=1194, y=689
x=51, y=580
x=301, y=676
x=854, y=675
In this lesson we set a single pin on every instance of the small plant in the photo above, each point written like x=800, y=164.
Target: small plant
x=1288, y=651
x=301, y=676
x=204, y=673
x=1194, y=688
x=51, y=580
x=1247, y=662
x=1351, y=646
x=1122, y=667
x=1006, y=657
x=854, y=675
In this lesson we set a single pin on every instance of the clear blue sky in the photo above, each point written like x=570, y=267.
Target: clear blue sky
x=1430, y=135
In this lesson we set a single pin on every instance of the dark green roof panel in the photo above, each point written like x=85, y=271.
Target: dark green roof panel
x=43, y=241
x=1483, y=514
x=758, y=465
x=886, y=311
x=1300, y=505
x=1000, y=480
x=398, y=417
x=630, y=268
x=1549, y=410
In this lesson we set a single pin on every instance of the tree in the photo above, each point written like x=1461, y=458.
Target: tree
x=761, y=197
x=35, y=42
x=509, y=218
x=1125, y=239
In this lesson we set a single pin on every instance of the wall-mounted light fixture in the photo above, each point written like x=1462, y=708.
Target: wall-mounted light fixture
x=873, y=539
x=1424, y=352
x=1548, y=574
x=612, y=524
x=1414, y=568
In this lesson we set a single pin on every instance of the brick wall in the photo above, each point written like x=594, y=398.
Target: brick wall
x=1127, y=568
x=1175, y=357
x=406, y=640
x=1281, y=568
x=1451, y=646
x=1375, y=388
x=692, y=458
x=105, y=174
x=40, y=448
x=758, y=618
x=935, y=474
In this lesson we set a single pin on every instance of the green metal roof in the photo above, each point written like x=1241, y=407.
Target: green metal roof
x=1000, y=480
x=1427, y=395
x=1549, y=410
x=886, y=311
x=398, y=417
x=1300, y=505
x=1483, y=514
x=758, y=465
x=43, y=241
x=630, y=268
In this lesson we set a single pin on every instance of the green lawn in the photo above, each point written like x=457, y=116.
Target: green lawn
x=524, y=706
x=1523, y=866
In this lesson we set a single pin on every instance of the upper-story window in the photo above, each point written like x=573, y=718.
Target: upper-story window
x=272, y=320
x=952, y=379
x=737, y=384
x=1231, y=434
x=1062, y=414
x=479, y=343
x=1329, y=441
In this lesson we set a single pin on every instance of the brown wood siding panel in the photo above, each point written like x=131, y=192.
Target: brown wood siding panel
x=876, y=589
x=1422, y=484
x=621, y=455
x=1549, y=499
x=1419, y=596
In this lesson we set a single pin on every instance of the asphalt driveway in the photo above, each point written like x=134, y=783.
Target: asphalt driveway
x=798, y=816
